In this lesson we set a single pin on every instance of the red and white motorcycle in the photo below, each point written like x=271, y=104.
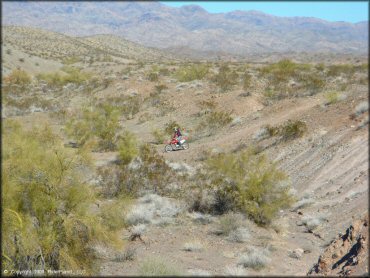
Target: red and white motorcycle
x=176, y=145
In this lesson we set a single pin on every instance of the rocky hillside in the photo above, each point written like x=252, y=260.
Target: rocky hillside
x=56, y=46
x=191, y=27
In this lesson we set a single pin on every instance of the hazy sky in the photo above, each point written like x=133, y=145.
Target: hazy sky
x=351, y=11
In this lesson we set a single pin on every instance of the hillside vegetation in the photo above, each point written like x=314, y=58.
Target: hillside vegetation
x=277, y=163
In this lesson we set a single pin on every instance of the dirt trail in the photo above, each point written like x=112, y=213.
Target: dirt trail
x=243, y=133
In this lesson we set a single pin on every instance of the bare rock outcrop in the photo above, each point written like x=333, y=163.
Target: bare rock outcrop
x=348, y=254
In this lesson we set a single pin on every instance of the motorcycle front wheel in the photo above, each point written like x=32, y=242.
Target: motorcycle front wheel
x=185, y=146
x=168, y=148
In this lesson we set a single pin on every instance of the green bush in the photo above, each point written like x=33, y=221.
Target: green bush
x=148, y=172
x=336, y=70
x=100, y=122
x=47, y=222
x=313, y=81
x=127, y=148
x=191, y=72
x=293, y=129
x=71, y=60
x=287, y=131
x=72, y=75
x=226, y=78
x=332, y=97
x=18, y=77
x=250, y=183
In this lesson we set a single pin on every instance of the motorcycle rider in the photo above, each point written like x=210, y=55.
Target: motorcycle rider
x=177, y=135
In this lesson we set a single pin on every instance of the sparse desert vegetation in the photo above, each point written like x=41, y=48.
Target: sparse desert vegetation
x=275, y=147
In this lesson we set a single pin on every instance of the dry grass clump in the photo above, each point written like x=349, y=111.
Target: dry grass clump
x=333, y=97
x=361, y=108
x=158, y=267
x=162, y=209
x=313, y=222
x=193, y=246
x=235, y=271
x=17, y=77
x=128, y=254
x=255, y=258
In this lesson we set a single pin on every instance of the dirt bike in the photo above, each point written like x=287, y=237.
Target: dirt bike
x=175, y=145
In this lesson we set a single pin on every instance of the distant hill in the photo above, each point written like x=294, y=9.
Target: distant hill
x=56, y=46
x=191, y=27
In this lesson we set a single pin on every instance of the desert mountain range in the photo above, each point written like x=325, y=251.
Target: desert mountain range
x=191, y=29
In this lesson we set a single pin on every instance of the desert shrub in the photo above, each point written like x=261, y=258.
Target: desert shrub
x=144, y=118
x=9, y=51
x=336, y=70
x=113, y=213
x=215, y=120
x=160, y=88
x=18, y=77
x=71, y=75
x=283, y=70
x=272, y=130
x=21, y=60
x=128, y=254
x=247, y=78
x=71, y=60
x=127, y=147
x=100, y=122
x=192, y=246
x=148, y=171
x=164, y=71
x=249, y=183
x=45, y=205
x=235, y=271
x=226, y=78
x=152, y=76
x=206, y=106
x=191, y=72
x=320, y=67
x=288, y=130
x=313, y=82
x=293, y=129
x=312, y=223
x=227, y=223
x=170, y=126
x=332, y=97
x=255, y=258
x=158, y=267
x=159, y=136
x=128, y=106
x=361, y=108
